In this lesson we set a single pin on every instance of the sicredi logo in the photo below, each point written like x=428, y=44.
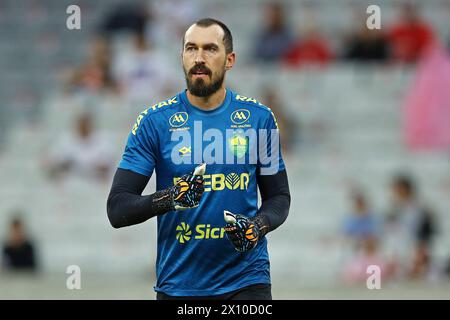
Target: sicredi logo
x=202, y=231
x=240, y=116
x=178, y=119
x=183, y=232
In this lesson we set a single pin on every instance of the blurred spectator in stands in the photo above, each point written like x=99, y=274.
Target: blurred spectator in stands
x=4, y=127
x=421, y=263
x=446, y=268
x=426, y=107
x=361, y=223
x=366, y=46
x=18, y=252
x=410, y=36
x=311, y=49
x=355, y=271
x=94, y=76
x=171, y=18
x=142, y=73
x=411, y=226
x=275, y=37
x=84, y=153
x=127, y=17
x=289, y=129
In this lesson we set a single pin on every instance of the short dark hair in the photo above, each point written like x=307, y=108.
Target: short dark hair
x=16, y=222
x=227, y=37
x=406, y=182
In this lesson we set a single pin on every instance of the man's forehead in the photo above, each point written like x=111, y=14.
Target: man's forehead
x=201, y=35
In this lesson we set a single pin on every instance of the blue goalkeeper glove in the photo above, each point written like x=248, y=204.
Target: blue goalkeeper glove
x=243, y=232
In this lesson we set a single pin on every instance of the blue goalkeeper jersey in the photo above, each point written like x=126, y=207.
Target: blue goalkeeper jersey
x=194, y=256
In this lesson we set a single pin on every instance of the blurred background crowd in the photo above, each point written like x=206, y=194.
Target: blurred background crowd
x=364, y=118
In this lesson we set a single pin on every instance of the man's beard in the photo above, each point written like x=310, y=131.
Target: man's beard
x=199, y=88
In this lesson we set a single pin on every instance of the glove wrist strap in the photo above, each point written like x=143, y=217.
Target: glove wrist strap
x=162, y=201
x=262, y=224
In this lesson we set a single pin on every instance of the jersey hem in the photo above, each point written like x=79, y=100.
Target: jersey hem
x=200, y=293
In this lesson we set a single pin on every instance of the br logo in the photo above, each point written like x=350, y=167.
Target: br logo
x=184, y=232
x=232, y=181
x=178, y=119
x=240, y=116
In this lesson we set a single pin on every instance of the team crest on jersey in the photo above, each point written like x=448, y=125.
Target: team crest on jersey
x=238, y=144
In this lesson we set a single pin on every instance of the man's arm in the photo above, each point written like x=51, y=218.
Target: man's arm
x=276, y=200
x=126, y=206
x=245, y=232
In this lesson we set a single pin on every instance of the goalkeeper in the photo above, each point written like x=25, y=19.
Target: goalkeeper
x=212, y=241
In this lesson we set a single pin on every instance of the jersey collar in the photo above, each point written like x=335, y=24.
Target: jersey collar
x=226, y=102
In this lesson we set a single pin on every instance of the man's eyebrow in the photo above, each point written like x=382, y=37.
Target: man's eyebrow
x=210, y=45
x=189, y=44
x=206, y=45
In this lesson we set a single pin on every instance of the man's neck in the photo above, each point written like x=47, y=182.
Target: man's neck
x=210, y=102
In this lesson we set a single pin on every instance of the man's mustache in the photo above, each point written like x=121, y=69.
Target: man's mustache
x=200, y=69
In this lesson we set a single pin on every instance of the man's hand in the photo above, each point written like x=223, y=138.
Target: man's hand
x=241, y=231
x=187, y=192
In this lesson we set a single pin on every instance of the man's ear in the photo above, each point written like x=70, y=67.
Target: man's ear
x=231, y=59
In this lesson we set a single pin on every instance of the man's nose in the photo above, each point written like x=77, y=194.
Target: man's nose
x=199, y=58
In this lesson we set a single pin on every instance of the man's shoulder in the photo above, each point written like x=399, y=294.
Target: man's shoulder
x=163, y=105
x=251, y=105
x=155, y=111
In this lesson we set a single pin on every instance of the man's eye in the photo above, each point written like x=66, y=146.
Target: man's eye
x=190, y=49
x=212, y=49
